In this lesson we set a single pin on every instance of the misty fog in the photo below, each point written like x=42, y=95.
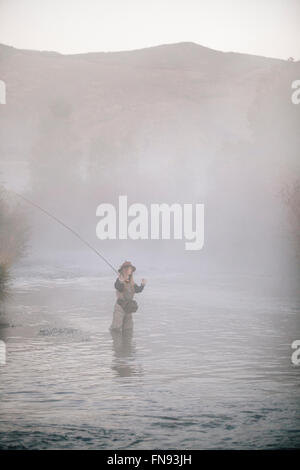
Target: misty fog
x=208, y=364
x=175, y=123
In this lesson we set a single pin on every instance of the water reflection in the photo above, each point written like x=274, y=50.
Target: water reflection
x=124, y=353
x=70, y=383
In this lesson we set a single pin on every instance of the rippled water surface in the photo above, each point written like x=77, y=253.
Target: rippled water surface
x=207, y=366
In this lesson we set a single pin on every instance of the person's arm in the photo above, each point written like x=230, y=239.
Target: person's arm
x=119, y=285
x=137, y=288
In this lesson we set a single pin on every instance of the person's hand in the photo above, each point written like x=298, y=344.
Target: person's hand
x=144, y=282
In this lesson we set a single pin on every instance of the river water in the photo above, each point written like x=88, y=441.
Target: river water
x=207, y=366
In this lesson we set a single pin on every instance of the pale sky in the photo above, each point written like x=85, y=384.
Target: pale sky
x=264, y=27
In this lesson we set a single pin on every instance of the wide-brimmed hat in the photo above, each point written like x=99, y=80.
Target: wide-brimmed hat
x=126, y=264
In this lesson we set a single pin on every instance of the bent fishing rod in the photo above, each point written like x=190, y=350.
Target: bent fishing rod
x=67, y=227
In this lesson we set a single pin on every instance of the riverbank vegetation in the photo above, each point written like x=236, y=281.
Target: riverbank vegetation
x=13, y=236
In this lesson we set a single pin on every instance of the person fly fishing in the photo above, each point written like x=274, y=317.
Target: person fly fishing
x=124, y=285
x=125, y=305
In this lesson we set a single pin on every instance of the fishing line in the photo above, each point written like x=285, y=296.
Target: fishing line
x=68, y=228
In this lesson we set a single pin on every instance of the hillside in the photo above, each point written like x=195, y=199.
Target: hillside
x=172, y=123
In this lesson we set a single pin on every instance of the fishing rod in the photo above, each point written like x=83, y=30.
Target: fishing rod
x=68, y=228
